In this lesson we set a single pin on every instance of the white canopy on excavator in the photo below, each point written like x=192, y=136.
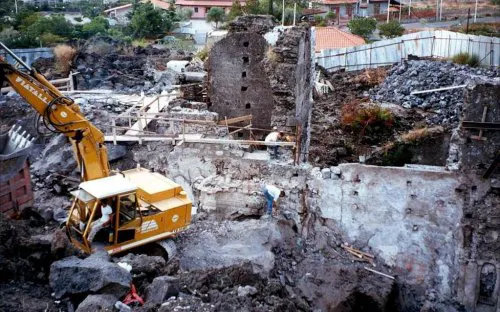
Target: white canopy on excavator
x=107, y=187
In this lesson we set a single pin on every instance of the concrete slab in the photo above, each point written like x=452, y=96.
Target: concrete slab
x=257, y=155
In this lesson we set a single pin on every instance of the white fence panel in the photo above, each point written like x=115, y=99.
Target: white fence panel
x=438, y=43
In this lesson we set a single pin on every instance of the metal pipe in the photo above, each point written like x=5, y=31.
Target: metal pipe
x=475, y=12
x=388, y=9
x=14, y=56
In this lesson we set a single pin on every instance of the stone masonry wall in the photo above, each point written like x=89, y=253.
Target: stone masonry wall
x=237, y=82
x=290, y=75
x=408, y=217
x=264, y=71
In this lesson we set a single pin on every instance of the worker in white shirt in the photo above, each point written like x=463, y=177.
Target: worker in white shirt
x=272, y=194
x=97, y=225
x=274, y=136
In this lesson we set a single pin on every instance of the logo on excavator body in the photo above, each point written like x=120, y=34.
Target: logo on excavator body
x=175, y=218
x=32, y=90
x=148, y=226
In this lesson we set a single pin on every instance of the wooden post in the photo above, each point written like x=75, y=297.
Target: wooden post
x=297, y=144
x=492, y=52
x=71, y=82
x=183, y=130
x=113, y=122
x=139, y=121
x=370, y=56
x=432, y=45
x=227, y=127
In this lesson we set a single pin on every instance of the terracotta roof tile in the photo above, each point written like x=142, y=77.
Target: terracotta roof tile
x=334, y=38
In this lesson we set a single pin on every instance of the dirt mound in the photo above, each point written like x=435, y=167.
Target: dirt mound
x=331, y=141
x=109, y=64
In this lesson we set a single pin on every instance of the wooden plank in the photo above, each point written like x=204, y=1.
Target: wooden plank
x=483, y=119
x=231, y=121
x=438, y=89
x=379, y=273
x=54, y=82
x=133, y=138
x=142, y=123
x=245, y=142
x=480, y=125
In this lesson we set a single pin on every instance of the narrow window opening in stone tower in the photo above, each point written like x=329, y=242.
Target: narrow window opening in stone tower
x=243, y=88
x=245, y=44
x=248, y=106
x=245, y=60
x=243, y=74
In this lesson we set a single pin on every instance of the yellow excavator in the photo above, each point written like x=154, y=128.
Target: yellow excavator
x=127, y=209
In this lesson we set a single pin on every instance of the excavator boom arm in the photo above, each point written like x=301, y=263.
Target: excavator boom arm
x=61, y=114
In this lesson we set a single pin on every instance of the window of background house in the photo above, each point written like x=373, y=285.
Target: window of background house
x=195, y=10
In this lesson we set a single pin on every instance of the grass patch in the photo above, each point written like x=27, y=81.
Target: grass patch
x=418, y=135
x=466, y=59
x=366, y=118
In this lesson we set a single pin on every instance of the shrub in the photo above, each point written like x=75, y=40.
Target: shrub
x=140, y=42
x=64, y=55
x=399, y=155
x=460, y=58
x=391, y=29
x=371, y=118
x=49, y=39
x=466, y=59
x=331, y=16
x=318, y=19
x=203, y=53
x=473, y=61
x=236, y=10
x=98, y=25
x=362, y=26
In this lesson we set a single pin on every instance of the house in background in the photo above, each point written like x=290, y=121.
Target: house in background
x=344, y=9
x=201, y=7
x=374, y=7
x=334, y=38
x=120, y=13
x=347, y=9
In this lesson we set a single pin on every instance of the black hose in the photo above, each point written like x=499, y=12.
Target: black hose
x=47, y=113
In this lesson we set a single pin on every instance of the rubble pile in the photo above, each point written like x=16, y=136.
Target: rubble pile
x=106, y=64
x=425, y=75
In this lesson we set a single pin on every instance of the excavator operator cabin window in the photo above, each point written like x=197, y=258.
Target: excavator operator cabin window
x=127, y=208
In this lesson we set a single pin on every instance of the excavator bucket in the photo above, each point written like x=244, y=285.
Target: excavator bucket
x=14, y=150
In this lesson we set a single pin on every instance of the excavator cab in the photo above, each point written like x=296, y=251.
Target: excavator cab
x=126, y=211
x=133, y=208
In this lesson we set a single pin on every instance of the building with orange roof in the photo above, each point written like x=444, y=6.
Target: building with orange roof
x=342, y=8
x=334, y=38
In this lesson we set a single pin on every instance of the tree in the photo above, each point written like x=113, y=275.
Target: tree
x=215, y=15
x=236, y=10
x=252, y=7
x=98, y=25
x=362, y=26
x=391, y=29
x=148, y=22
